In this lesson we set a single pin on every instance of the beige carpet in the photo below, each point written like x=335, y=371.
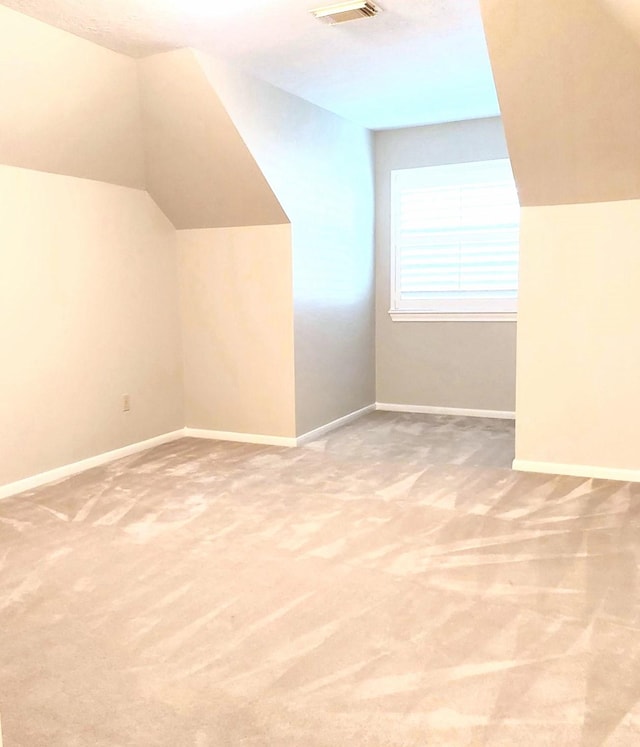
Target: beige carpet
x=393, y=584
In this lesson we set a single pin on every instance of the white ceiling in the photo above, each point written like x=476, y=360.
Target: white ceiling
x=417, y=62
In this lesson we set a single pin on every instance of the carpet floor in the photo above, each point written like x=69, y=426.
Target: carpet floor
x=391, y=584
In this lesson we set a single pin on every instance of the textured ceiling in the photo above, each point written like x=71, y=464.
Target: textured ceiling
x=418, y=62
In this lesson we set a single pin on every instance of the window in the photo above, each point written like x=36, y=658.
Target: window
x=454, y=242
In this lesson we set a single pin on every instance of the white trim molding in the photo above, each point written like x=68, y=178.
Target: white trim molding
x=289, y=441
x=436, y=410
x=436, y=316
x=67, y=470
x=577, y=470
x=317, y=432
x=245, y=438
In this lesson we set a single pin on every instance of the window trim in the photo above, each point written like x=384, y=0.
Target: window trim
x=403, y=315
x=485, y=310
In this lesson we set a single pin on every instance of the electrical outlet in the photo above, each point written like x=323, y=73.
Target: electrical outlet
x=126, y=403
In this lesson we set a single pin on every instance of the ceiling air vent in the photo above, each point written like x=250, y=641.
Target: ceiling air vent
x=351, y=11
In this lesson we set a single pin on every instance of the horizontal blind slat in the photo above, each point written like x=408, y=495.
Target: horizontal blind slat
x=459, y=237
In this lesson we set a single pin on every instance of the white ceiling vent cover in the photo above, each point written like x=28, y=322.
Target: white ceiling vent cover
x=351, y=11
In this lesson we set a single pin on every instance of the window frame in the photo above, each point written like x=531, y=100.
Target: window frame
x=452, y=309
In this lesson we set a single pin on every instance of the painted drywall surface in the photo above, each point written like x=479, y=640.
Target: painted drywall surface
x=321, y=169
x=444, y=364
x=625, y=12
x=568, y=80
x=198, y=168
x=88, y=313
x=578, y=342
x=237, y=329
x=68, y=106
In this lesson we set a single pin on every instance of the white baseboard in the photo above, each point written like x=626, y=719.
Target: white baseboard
x=577, y=470
x=290, y=441
x=59, y=473
x=317, y=432
x=434, y=410
x=245, y=438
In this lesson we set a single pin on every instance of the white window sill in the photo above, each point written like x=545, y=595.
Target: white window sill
x=438, y=316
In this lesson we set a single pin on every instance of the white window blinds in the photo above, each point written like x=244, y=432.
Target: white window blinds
x=455, y=238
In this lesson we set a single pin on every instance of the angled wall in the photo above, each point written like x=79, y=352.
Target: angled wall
x=321, y=169
x=68, y=106
x=198, y=169
x=568, y=80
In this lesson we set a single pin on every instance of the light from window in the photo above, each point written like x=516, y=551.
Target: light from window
x=454, y=247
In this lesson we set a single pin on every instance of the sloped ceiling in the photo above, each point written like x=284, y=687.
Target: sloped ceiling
x=68, y=106
x=198, y=168
x=568, y=81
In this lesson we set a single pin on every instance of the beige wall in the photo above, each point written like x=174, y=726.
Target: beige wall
x=320, y=167
x=568, y=80
x=198, y=168
x=578, y=344
x=626, y=12
x=68, y=106
x=89, y=276
x=237, y=321
x=88, y=312
x=443, y=364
